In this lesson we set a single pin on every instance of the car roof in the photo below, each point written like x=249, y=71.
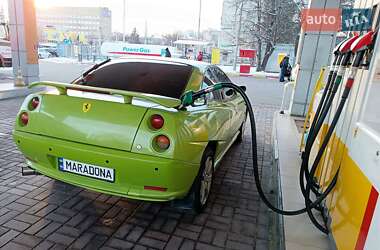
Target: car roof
x=169, y=60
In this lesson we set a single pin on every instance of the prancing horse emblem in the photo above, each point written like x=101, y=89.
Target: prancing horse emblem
x=86, y=107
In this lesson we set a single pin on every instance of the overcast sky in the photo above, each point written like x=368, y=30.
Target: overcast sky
x=162, y=16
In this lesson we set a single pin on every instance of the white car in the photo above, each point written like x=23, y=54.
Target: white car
x=45, y=53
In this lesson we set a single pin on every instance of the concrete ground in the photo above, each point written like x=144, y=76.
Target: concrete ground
x=261, y=91
x=299, y=232
x=38, y=212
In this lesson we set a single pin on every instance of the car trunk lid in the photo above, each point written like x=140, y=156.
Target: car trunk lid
x=101, y=122
x=95, y=122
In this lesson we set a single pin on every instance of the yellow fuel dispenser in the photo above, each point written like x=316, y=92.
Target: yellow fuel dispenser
x=353, y=207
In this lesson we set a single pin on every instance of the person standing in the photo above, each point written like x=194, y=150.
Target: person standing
x=285, y=68
x=200, y=56
x=167, y=53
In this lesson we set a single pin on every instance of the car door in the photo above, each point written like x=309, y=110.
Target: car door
x=233, y=103
x=219, y=118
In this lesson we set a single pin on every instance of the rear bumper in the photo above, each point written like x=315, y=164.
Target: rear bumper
x=132, y=171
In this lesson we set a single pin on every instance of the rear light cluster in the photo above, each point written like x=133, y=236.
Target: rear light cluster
x=160, y=142
x=32, y=105
x=24, y=118
x=156, y=121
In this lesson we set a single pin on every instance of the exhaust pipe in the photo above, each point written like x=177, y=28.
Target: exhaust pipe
x=26, y=171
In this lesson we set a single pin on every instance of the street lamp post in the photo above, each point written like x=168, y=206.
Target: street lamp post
x=237, y=35
x=199, y=19
x=124, y=20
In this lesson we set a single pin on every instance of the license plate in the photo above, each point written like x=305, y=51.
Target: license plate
x=85, y=169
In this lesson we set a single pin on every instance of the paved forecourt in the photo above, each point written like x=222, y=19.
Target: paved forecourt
x=38, y=212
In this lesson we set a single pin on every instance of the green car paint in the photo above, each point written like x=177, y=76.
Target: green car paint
x=119, y=136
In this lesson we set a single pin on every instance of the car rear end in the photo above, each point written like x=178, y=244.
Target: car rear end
x=101, y=142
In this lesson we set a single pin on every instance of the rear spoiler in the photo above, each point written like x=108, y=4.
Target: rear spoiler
x=127, y=95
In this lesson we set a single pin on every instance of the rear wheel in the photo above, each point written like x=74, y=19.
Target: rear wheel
x=203, y=182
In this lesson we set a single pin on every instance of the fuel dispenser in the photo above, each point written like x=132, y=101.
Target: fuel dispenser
x=352, y=209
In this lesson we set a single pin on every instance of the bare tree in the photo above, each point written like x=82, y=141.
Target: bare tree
x=134, y=37
x=266, y=23
x=172, y=37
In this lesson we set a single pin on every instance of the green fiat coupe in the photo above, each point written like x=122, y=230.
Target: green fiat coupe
x=121, y=129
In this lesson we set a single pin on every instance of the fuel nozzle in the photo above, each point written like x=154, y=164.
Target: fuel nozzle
x=337, y=53
x=190, y=96
x=345, y=50
x=363, y=42
x=361, y=47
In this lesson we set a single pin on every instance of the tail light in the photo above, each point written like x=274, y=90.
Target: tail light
x=156, y=121
x=162, y=142
x=34, y=103
x=24, y=118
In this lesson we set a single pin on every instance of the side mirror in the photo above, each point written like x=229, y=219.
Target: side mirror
x=244, y=88
x=230, y=92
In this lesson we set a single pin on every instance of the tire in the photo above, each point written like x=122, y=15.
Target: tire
x=239, y=138
x=203, y=182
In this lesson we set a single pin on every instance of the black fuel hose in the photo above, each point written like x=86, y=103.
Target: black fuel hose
x=304, y=170
x=326, y=92
x=320, y=115
x=256, y=171
x=308, y=203
x=318, y=121
x=334, y=88
x=357, y=61
x=336, y=78
x=312, y=130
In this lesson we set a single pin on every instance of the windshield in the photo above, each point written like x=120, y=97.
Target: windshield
x=145, y=77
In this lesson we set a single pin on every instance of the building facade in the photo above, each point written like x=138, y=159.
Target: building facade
x=74, y=24
x=229, y=25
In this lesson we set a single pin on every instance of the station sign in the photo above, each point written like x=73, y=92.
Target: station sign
x=215, y=56
x=117, y=49
x=247, y=53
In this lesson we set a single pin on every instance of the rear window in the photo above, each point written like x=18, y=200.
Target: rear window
x=145, y=77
